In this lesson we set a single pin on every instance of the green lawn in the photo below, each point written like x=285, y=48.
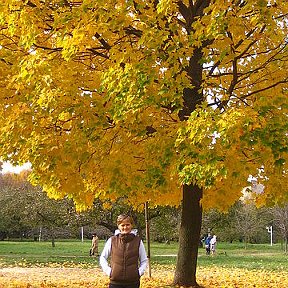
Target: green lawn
x=67, y=253
x=234, y=255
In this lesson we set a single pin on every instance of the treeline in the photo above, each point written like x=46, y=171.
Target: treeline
x=27, y=212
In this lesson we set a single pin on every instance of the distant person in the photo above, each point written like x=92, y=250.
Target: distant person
x=94, y=245
x=213, y=242
x=127, y=255
x=207, y=244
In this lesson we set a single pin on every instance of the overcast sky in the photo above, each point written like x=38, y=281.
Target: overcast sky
x=7, y=167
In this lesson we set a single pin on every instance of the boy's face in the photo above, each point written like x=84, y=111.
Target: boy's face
x=125, y=226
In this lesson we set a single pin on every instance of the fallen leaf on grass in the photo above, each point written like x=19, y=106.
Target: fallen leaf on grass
x=162, y=277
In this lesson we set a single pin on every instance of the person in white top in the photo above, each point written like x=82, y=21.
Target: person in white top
x=127, y=255
x=213, y=242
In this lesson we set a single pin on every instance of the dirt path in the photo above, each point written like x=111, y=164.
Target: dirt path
x=46, y=276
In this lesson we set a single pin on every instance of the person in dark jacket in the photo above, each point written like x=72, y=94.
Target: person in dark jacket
x=128, y=259
x=207, y=244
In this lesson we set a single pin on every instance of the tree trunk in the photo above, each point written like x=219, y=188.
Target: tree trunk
x=53, y=239
x=189, y=236
x=191, y=218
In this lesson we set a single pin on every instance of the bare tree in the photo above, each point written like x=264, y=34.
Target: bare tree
x=280, y=215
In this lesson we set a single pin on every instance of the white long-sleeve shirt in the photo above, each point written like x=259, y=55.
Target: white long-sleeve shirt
x=213, y=240
x=107, y=251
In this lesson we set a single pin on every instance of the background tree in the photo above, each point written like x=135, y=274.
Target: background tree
x=147, y=99
x=164, y=224
x=221, y=224
x=13, y=219
x=280, y=216
x=25, y=208
x=242, y=222
x=250, y=222
x=105, y=213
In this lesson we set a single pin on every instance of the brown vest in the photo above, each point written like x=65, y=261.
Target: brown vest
x=124, y=259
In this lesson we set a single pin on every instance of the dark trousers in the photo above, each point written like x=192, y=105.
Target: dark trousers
x=136, y=285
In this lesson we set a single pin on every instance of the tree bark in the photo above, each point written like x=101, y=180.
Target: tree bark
x=191, y=217
x=189, y=237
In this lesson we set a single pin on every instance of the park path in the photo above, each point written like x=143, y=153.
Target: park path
x=47, y=275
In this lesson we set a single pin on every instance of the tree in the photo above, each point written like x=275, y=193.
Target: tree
x=221, y=224
x=13, y=220
x=25, y=208
x=250, y=221
x=243, y=221
x=164, y=224
x=280, y=215
x=162, y=101
x=104, y=214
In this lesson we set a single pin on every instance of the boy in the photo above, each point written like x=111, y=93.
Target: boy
x=128, y=259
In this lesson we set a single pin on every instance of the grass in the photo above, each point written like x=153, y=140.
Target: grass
x=65, y=253
x=256, y=256
x=36, y=253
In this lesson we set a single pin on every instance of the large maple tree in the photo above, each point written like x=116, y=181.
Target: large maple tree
x=162, y=101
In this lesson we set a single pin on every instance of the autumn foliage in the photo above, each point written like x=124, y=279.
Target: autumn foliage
x=92, y=95
x=138, y=99
x=74, y=277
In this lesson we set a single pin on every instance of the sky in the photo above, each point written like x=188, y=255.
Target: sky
x=8, y=167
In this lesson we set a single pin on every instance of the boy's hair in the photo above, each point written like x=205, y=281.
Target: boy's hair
x=122, y=217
